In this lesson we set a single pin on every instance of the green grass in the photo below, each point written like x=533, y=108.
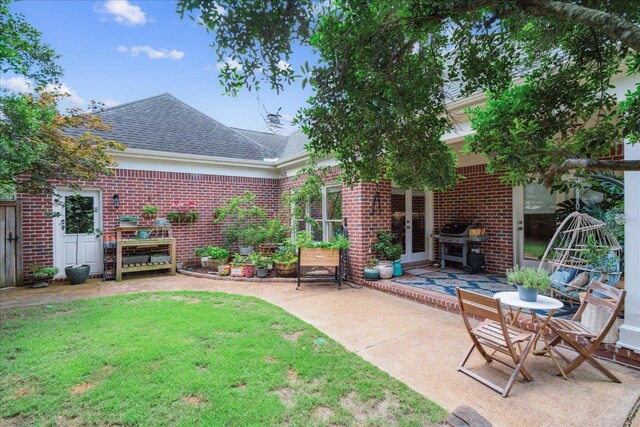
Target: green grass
x=534, y=249
x=189, y=358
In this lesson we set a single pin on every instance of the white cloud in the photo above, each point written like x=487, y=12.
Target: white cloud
x=110, y=102
x=124, y=12
x=21, y=84
x=18, y=84
x=63, y=89
x=283, y=65
x=232, y=63
x=151, y=52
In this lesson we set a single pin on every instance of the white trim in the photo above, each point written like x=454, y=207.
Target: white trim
x=630, y=330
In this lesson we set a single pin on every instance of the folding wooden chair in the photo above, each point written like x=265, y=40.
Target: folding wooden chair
x=572, y=332
x=496, y=334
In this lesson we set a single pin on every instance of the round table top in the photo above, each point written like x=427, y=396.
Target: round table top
x=543, y=302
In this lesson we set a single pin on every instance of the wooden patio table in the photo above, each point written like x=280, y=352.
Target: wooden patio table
x=544, y=303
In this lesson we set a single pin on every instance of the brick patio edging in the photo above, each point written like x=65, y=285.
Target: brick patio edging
x=607, y=351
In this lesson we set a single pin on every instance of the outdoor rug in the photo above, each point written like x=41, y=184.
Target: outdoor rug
x=446, y=281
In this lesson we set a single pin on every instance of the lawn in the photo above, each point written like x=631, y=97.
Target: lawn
x=189, y=358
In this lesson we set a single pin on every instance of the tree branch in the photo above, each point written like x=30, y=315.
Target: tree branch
x=617, y=28
x=589, y=165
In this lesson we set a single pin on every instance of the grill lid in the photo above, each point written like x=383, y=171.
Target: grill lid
x=461, y=230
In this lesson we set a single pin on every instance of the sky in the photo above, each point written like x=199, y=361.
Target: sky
x=117, y=51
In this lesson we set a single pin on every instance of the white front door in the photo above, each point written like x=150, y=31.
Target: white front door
x=75, y=239
x=411, y=223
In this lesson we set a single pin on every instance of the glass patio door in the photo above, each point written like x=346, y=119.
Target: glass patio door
x=409, y=222
x=536, y=221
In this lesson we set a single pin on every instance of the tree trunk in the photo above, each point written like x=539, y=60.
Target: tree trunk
x=590, y=165
x=617, y=28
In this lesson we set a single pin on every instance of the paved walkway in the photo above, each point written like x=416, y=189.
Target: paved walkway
x=419, y=345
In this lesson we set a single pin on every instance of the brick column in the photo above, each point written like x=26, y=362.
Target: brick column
x=357, y=205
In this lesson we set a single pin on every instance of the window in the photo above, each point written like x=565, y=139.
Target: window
x=326, y=214
x=78, y=215
x=332, y=210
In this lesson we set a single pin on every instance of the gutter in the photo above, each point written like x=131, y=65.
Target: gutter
x=136, y=153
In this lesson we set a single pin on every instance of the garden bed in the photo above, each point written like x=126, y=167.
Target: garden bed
x=205, y=273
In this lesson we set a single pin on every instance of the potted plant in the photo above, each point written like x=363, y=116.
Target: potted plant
x=224, y=270
x=371, y=271
x=128, y=220
x=247, y=238
x=603, y=262
x=262, y=263
x=529, y=282
x=389, y=254
x=42, y=275
x=76, y=218
x=247, y=270
x=149, y=212
x=241, y=219
x=217, y=256
x=285, y=261
x=271, y=235
x=203, y=253
x=238, y=265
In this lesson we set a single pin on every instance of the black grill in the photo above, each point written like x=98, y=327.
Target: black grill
x=454, y=244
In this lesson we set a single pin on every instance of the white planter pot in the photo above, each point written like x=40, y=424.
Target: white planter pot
x=205, y=262
x=386, y=269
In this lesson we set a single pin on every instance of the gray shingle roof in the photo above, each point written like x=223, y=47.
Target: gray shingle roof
x=273, y=142
x=283, y=146
x=164, y=123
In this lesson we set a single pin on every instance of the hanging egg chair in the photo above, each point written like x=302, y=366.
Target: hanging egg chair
x=582, y=249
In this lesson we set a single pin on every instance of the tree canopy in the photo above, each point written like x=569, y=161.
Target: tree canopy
x=38, y=143
x=388, y=72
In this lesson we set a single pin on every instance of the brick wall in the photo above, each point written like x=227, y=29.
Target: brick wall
x=356, y=209
x=481, y=196
x=137, y=188
x=478, y=195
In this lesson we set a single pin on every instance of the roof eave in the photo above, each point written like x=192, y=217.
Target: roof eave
x=137, y=153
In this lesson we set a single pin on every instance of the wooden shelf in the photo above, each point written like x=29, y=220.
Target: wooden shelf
x=147, y=242
x=146, y=266
x=121, y=268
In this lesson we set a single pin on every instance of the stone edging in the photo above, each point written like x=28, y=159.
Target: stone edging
x=253, y=279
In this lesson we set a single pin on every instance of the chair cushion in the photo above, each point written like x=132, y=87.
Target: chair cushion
x=580, y=281
x=564, y=275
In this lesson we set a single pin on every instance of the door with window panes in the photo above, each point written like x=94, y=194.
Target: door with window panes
x=409, y=223
x=86, y=247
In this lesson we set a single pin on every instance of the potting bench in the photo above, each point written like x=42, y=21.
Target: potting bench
x=123, y=242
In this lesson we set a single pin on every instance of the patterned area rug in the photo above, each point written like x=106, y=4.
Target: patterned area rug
x=446, y=281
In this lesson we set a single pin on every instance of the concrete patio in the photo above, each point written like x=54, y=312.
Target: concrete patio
x=417, y=344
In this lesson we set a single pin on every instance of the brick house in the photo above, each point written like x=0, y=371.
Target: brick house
x=175, y=152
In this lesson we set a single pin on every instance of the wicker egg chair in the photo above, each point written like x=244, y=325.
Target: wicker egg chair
x=566, y=256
